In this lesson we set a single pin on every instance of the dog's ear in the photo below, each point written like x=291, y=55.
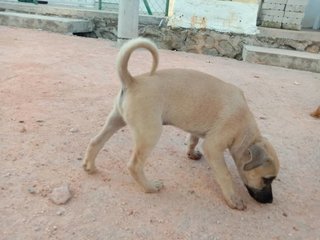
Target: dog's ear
x=258, y=157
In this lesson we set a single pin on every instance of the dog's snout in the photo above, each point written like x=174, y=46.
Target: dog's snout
x=263, y=195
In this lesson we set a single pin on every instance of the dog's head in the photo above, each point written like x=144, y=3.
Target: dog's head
x=259, y=167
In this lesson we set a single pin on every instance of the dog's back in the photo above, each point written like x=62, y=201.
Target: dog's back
x=183, y=94
x=176, y=95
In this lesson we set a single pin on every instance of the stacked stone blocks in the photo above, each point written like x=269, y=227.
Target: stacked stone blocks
x=287, y=14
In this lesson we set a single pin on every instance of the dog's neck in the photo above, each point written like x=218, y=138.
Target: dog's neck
x=249, y=136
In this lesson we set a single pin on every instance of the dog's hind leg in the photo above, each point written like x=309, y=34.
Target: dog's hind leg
x=146, y=136
x=192, y=142
x=113, y=124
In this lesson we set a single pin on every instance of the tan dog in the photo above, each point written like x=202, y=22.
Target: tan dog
x=316, y=113
x=201, y=105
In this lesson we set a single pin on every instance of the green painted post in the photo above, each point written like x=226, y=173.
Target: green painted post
x=167, y=7
x=146, y=4
x=100, y=4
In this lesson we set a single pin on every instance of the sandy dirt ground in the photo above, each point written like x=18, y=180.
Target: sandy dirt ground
x=55, y=94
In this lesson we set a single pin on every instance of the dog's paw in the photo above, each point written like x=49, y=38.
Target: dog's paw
x=195, y=155
x=155, y=186
x=89, y=168
x=236, y=202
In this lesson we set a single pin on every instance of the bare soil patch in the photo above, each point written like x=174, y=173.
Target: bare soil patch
x=55, y=94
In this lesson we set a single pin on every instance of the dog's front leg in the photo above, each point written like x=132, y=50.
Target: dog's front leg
x=213, y=152
x=192, y=142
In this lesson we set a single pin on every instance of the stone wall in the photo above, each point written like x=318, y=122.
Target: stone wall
x=104, y=28
x=203, y=41
x=190, y=40
x=219, y=44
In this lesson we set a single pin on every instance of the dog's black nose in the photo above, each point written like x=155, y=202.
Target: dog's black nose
x=263, y=195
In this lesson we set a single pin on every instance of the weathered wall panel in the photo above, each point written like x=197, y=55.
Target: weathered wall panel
x=222, y=16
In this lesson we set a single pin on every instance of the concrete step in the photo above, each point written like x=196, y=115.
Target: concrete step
x=282, y=58
x=48, y=23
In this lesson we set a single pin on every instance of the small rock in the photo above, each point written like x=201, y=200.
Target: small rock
x=7, y=175
x=74, y=130
x=263, y=118
x=61, y=211
x=106, y=179
x=60, y=195
x=285, y=214
x=32, y=190
x=37, y=229
x=130, y=213
x=313, y=49
x=79, y=158
x=44, y=191
x=21, y=121
x=296, y=83
x=23, y=129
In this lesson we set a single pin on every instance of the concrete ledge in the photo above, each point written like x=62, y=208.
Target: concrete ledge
x=71, y=12
x=282, y=58
x=53, y=24
x=303, y=35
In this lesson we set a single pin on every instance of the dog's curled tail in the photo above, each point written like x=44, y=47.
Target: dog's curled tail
x=125, y=53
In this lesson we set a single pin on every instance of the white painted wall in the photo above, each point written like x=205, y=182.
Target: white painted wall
x=219, y=15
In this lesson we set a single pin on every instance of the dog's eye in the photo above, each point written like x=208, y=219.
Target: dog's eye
x=268, y=181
